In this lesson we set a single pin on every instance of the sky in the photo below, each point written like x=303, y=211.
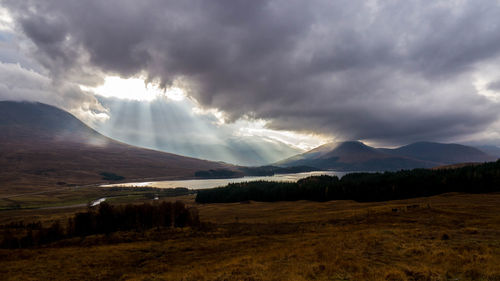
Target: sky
x=269, y=78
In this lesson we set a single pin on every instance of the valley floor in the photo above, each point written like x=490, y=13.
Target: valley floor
x=446, y=237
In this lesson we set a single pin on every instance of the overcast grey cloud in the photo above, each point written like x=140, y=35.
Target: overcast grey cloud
x=387, y=71
x=20, y=84
x=494, y=86
x=22, y=78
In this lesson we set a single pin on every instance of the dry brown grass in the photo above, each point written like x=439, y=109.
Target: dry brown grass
x=447, y=237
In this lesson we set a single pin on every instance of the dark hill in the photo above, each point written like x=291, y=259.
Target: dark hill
x=352, y=156
x=490, y=150
x=352, y=151
x=441, y=153
x=356, y=156
x=41, y=145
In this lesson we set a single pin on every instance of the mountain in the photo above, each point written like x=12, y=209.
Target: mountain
x=356, y=156
x=441, y=153
x=41, y=145
x=491, y=150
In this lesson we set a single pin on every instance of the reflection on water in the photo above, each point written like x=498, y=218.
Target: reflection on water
x=97, y=202
x=211, y=183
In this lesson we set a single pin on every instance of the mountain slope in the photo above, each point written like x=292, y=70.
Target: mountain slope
x=441, y=153
x=352, y=156
x=491, y=150
x=356, y=156
x=41, y=145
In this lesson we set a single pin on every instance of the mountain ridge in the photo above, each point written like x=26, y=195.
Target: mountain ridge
x=490, y=149
x=357, y=156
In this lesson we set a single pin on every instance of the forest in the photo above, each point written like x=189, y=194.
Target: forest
x=104, y=219
x=251, y=171
x=363, y=187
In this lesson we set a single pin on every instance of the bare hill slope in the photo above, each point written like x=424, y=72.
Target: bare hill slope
x=41, y=145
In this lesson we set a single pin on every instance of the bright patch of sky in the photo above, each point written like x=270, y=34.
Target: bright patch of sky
x=482, y=88
x=245, y=127
x=6, y=20
x=134, y=89
x=487, y=81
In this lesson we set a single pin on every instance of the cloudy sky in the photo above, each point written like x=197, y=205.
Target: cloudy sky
x=263, y=75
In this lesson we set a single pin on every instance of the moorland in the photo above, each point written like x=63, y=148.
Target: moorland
x=452, y=236
x=423, y=224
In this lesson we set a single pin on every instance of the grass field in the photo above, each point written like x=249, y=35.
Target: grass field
x=70, y=196
x=447, y=237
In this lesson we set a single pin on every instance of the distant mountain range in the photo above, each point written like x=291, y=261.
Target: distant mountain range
x=41, y=145
x=356, y=156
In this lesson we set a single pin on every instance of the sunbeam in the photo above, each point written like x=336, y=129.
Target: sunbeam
x=143, y=114
x=134, y=89
x=177, y=126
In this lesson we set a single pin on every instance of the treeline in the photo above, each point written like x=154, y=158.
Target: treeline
x=147, y=191
x=251, y=171
x=363, y=187
x=217, y=174
x=272, y=170
x=111, y=176
x=102, y=220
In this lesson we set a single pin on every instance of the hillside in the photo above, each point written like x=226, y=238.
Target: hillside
x=356, y=156
x=441, y=153
x=42, y=146
x=491, y=150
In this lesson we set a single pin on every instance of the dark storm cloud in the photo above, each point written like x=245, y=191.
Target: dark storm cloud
x=494, y=86
x=393, y=71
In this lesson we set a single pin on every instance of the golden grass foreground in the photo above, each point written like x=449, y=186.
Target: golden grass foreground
x=446, y=237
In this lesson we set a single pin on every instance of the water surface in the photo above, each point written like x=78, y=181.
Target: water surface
x=211, y=183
